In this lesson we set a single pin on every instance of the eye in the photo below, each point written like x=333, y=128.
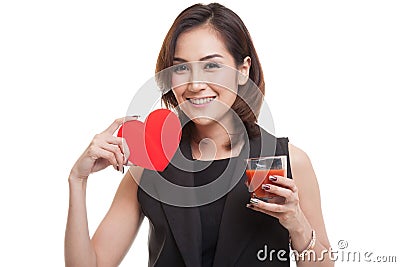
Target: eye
x=211, y=65
x=181, y=68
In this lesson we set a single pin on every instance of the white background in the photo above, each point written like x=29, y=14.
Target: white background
x=68, y=68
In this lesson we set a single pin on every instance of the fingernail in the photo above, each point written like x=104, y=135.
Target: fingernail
x=250, y=205
x=254, y=201
x=265, y=187
x=117, y=168
x=273, y=178
x=123, y=170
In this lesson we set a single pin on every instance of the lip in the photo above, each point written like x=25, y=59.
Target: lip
x=203, y=97
x=208, y=96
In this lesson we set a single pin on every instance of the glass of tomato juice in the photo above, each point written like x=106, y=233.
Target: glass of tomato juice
x=258, y=171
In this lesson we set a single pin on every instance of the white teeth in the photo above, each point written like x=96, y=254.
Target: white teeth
x=200, y=101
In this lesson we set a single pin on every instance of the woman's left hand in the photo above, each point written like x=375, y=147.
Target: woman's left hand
x=288, y=211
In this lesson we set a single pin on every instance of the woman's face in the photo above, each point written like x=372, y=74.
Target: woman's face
x=204, y=76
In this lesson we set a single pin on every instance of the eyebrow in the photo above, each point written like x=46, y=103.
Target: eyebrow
x=201, y=59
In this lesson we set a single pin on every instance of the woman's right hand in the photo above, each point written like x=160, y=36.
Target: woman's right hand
x=105, y=149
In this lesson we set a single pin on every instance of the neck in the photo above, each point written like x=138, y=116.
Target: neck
x=211, y=141
x=219, y=132
x=213, y=131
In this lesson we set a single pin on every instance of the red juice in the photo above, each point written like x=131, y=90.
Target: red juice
x=256, y=178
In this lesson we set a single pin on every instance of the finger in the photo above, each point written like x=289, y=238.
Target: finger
x=117, y=154
x=113, y=139
x=98, y=153
x=272, y=207
x=121, y=143
x=123, y=147
x=283, y=181
x=278, y=190
x=273, y=214
x=118, y=122
x=125, y=152
x=114, y=126
x=104, y=138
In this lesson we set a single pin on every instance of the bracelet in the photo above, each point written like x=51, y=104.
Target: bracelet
x=310, y=246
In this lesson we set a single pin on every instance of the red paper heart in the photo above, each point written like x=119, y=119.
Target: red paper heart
x=153, y=143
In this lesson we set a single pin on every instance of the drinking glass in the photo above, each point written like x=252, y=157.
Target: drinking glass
x=258, y=172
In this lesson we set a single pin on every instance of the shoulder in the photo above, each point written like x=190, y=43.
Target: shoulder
x=303, y=171
x=128, y=187
x=129, y=184
x=299, y=162
x=298, y=157
x=135, y=173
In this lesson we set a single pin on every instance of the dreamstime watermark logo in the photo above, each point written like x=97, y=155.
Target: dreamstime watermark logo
x=340, y=254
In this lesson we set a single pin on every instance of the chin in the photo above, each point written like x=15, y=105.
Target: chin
x=203, y=121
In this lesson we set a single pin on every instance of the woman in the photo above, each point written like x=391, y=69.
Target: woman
x=228, y=231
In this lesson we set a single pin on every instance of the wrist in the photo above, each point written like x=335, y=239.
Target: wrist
x=77, y=184
x=299, y=225
x=310, y=247
x=77, y=179
x=300, y=233
x=74, y=176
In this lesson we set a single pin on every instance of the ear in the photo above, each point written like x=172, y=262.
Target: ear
x=244, y=71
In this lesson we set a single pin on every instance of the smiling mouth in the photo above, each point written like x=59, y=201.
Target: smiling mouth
x=201, y=101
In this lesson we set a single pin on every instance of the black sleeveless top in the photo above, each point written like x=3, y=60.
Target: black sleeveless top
x=222, y=233
x=211, y=213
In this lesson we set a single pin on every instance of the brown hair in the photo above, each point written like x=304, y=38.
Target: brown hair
x=238, y=42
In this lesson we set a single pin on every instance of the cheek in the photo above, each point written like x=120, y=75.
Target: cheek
x=231, y=95
x=228, y=96
x=226, y=79
x=178, y=93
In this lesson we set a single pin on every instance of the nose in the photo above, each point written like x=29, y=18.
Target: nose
x=196, y=86
x=197, y=82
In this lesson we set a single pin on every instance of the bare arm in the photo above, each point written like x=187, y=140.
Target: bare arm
x=78, y=249
x=119, y=227
x=114, y=235
x=301, y=212
x=310, y=204
x=117, y=231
